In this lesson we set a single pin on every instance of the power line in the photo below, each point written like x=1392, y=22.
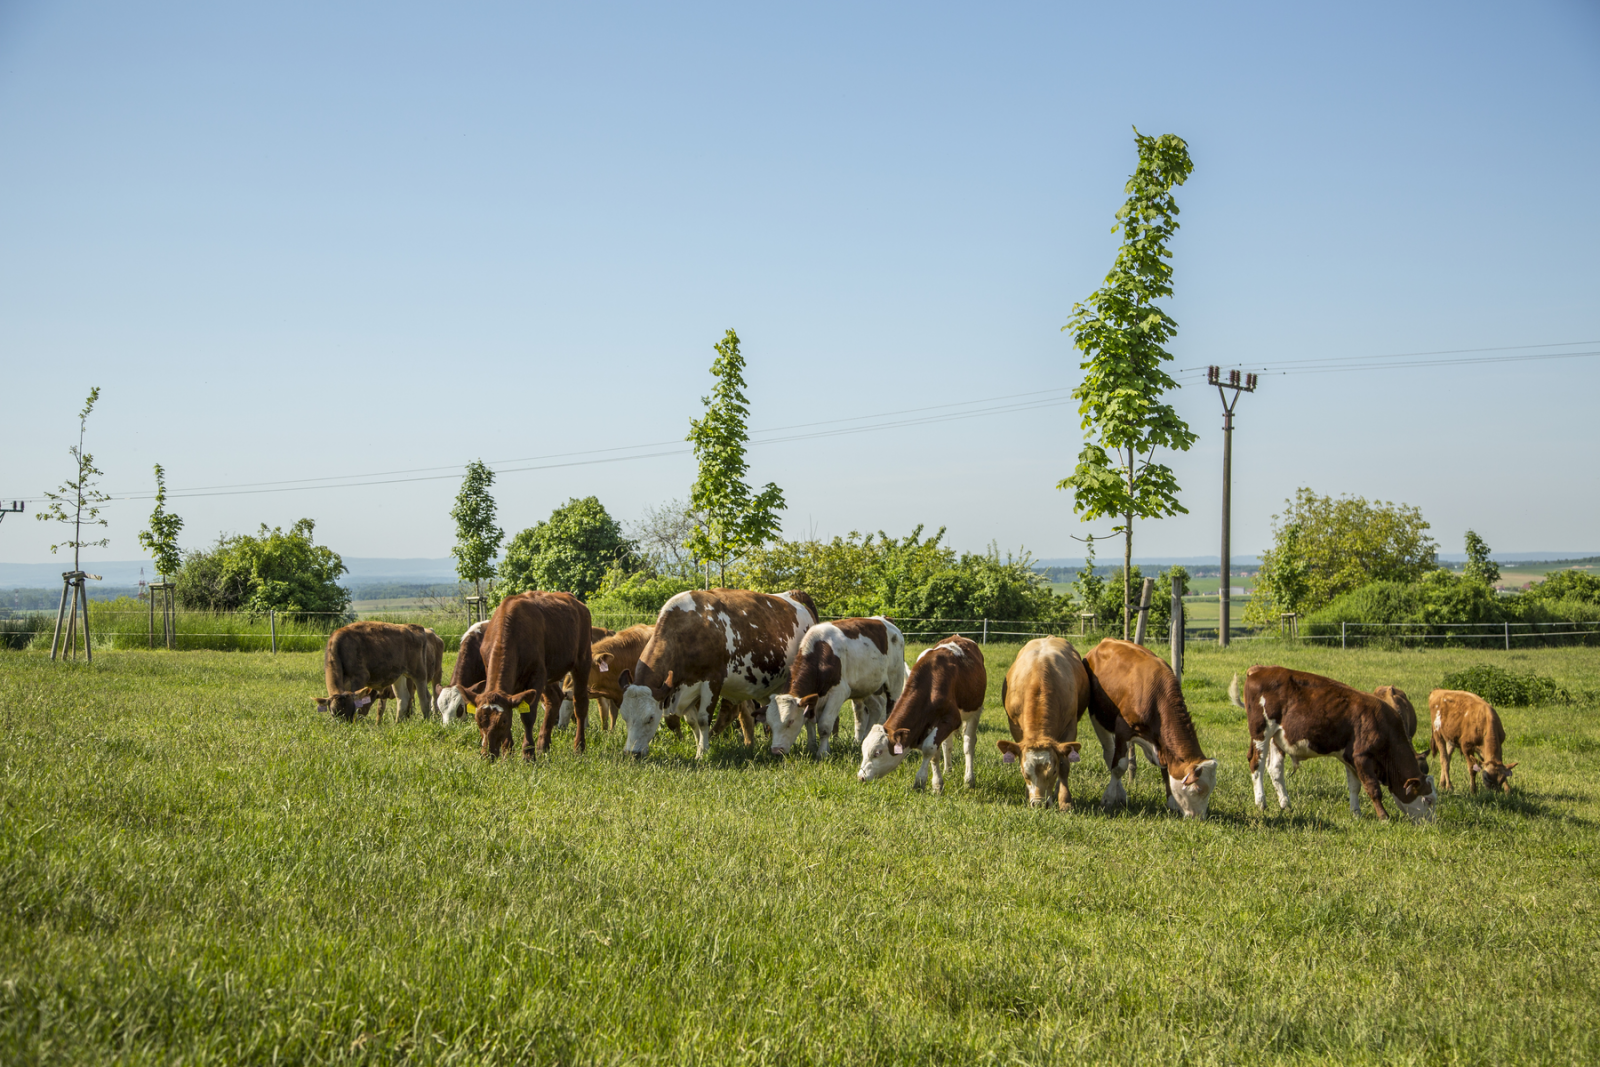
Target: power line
x=1341, y=364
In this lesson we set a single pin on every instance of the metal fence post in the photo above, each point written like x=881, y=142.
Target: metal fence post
x=1508, y=637
x=272, y=625
x=1343, y=643
x=986, y=631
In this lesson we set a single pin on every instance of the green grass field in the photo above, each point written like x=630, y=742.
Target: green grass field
x=199, y=869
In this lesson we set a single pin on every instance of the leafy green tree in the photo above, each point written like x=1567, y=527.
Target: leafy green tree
x=1122, y=334
x=78, y=501
x=1567, y=585
x=1479, y=566
x=272, y=571
x=161, y=539
x=1326, y=546
x=477, y=536
x=571, y=551
x=733, y=521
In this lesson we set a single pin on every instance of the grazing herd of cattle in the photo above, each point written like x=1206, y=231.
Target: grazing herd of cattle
x=719, y=656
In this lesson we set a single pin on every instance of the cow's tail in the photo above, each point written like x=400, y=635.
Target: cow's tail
x=1233, y=690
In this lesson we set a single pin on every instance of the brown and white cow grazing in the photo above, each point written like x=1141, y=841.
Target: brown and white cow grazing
x=1302, y=716
x=1134, y=697
x=532, y=640
x=1045, y=693
x=708, y=645
x=452, y=700
x=945, y=690
x=863, y=660
x=1467, y=723
x=612, y=660
x=1396, y=698
x=365, y=658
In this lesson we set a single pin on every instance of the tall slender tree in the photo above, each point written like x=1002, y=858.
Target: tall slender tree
x=477, y=536
x=1122, y=334
x=161, y=539
x=78, y=501
x=732, y=520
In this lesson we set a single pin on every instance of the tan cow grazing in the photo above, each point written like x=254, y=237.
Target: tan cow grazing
x=1396, y=698
x=1301, y=716
x=365, y=658
x=1467, y=723
x=710, y=645
x=945, y=690
x=612, y=659
x=1045, y=693
x=1135, y=698
x=532, y=640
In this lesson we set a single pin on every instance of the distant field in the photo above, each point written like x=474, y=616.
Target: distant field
x=199, y=869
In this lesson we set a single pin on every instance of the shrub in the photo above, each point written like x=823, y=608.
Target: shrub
x=272, y=571
x=19, y=631
x=570, y=551
x=1505, y=687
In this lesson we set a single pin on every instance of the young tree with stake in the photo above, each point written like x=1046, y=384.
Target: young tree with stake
x=477, y=536
x=77, y=502
x=161, y=539
x=1122, y=332
x=732, y=520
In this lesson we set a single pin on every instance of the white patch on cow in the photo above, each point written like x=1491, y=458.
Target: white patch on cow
x=1256, y=773
x=924, y=652
x=1194, y=800
x=1352, y=782
x=1263, y=703
x=1438, y=722
x=641, y=715
x=1041, y=773
x=1420, y=809
x=727, y=632
x=786, y=716
x=681, y=602
x=878, y=757
x=953, y=647
x=1149, y=749
x=452, y=703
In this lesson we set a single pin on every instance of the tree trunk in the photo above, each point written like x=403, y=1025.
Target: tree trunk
x=1127, y=571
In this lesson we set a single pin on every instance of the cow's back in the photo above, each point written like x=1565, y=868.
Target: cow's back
x=1046, y=689
x=722, y=635
x=369, y=653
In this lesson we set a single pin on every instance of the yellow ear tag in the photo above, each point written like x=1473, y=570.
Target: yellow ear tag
x=522, y=707
x=472, y=709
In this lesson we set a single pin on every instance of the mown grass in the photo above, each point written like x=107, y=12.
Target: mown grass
x=198, y=868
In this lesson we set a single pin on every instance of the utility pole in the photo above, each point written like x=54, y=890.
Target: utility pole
x=16, y=508
x=1248, y=385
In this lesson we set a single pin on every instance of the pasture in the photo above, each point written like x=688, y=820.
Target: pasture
x=199, y=868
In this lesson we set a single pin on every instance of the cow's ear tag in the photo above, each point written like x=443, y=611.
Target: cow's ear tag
x=1073, y=757
x=1008, y=757
x=604, y=666
x=899, y=750
x=362, y=702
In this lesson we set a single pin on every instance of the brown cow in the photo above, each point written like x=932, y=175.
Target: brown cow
x=1300, y=715
x=1134, y=697
x=1396, y=698
x=1467, y=723
x=1045, y=693
x=365, y=658
x=611, y=659
x=711, y=644
x=452, y=700
x=532, y=640
x=944, y=690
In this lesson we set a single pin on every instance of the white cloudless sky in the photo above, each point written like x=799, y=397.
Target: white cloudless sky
x=302, y=240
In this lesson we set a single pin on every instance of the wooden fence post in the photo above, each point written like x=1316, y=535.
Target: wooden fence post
x=1177, y=628
x=1144, y=610
x=272, y=625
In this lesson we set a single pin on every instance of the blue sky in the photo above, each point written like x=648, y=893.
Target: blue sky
x=303, y=240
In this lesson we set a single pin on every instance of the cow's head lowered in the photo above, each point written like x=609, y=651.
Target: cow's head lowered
x=496, y=712
x=1497, y=775
x=1192, y=785
x=1043, y=765
x=345, y=705
x=884, y=750
x=789, y=714
x=643, y=706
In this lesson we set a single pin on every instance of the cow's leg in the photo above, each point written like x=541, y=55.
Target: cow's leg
x=747, y=725
x=541, y=683
x=1254, y=753
x=1116, y=763
x=1352, y=781
x=403, y=694
x=969, y=744
x=702, y=702
x=580, y=710
x=565, y=715
x=1274, y=756
x=528, y=718
x=1444, y=760
x=1367, y=769
x=608, y=712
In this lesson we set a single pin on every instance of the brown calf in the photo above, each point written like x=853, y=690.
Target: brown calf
x=612, y=660
x=1301, y=716
x=1396, y=698
x=1045, y=693
x=1467, y=723
x=365, y=658
x=532, y=640
x=1134, y=698
x=944, y=691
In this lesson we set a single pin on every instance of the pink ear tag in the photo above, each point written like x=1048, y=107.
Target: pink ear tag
x=362, y=702
x=1008, y=757
x=1073, y=757
x=899, y=751
x=604, y=667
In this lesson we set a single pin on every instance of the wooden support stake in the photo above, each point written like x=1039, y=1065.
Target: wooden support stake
x=1177, y=627
x=1144, y=610
x=272, y=625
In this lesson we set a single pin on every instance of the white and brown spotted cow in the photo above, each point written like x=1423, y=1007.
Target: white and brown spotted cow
x=1135, y=699
x=1045, y=693
x=1300, y=716
x=452, y=699
x=863, y=660
x=366, y=658
x=709, y=645
x=944, y=691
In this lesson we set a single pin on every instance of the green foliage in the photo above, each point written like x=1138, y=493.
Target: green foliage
x=571, y=551
x=1479, y=566
x=1504, y=687
x=477, y=536
x=624, y=592
x=1325, y=547
x=733, y=521
x=1122, y=334
x=1107, y=607
x=272, y=571
x=161, y=539
x=1579, y=586
x=77, y=502
x=20, y=631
